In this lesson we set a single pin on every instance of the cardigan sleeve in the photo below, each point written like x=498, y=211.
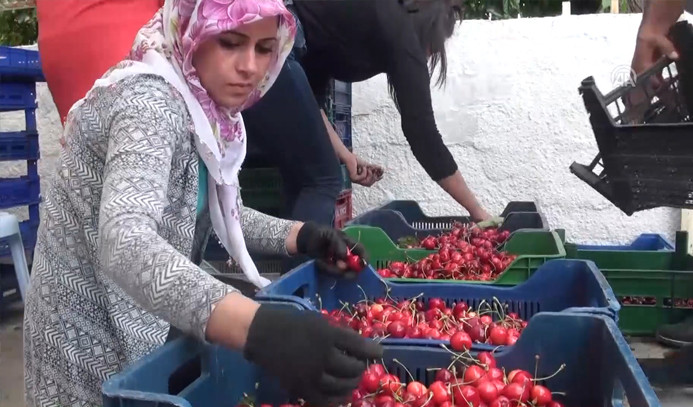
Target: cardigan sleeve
x=263, y=233
x=146, y=123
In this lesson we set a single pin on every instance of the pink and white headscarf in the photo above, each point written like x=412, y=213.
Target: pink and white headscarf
x=165, y=47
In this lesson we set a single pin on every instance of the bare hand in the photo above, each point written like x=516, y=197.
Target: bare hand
x=651, y=45
x=363, y=173
x=480, y=215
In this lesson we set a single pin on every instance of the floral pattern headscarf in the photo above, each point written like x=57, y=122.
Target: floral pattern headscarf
x=165, y=46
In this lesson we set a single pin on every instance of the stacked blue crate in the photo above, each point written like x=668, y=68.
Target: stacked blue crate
x=20, y=69
x=340, y=101
x=340, y=115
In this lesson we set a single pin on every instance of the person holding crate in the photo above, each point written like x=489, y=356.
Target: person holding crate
x=651, y=44
x=150, y=166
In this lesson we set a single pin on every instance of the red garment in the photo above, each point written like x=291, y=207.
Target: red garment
x=80, y=39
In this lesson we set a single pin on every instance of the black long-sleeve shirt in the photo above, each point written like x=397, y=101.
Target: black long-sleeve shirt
x=354, y=40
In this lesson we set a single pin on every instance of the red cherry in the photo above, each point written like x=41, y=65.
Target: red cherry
x=487, y=359
x=540, y=395
x=501, y=401
x=467, y=396
x=444, y=375
x=473, y=373
x=417, y=389
x=440, y=393
x=370, y=382
x=487, y=391
x=460, y=341
x=354, y=262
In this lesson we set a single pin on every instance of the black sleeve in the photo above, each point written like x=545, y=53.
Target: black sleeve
x=407, y=71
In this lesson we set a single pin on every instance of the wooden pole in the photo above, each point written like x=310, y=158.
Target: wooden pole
x=614, y=6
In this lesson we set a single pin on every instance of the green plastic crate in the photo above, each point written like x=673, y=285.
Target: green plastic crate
x=533, y=248
x=261, y=189
x=658, y=275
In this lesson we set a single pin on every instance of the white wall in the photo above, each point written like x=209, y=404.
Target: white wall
x=511, y=114
x=514, y=120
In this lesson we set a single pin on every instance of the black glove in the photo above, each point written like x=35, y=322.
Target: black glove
x=327, y=245
x=312, y=359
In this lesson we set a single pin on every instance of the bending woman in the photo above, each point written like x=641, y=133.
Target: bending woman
x=353, y=41
x=149, y=168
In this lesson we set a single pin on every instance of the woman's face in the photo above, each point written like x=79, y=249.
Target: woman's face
x=231, y=65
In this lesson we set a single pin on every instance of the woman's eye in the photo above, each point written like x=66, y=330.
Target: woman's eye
x=228, y=44
x=264, y=50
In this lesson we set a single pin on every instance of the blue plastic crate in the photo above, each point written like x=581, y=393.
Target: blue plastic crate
x=17, y=96
x=394, y=224
x=576, y=286
x=17, y=63
x=644, y=242
x=342, y=124
x=22, y=145
x=600, y=369
x=19, y=191
x=342, y=93
x=341, y=109
x=417, y=219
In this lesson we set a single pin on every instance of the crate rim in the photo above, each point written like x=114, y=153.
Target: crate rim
x=610, y=310
x=111, y=387
x=561, y=254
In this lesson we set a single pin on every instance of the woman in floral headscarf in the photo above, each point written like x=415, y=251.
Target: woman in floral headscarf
x=152, y=158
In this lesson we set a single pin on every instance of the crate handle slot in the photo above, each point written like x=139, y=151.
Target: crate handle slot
x=185, y=375
x=301, y=291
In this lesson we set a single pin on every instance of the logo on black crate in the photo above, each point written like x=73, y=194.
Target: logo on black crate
x=623, y=75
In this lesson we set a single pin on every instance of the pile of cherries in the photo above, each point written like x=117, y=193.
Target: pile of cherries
x=466, y=252
x=475, y=383
x=415, y=319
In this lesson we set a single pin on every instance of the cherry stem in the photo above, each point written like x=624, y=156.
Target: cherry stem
x=501, y=313
x=345, y=305
x=548, y=377
x=536, y=364
x=430, y=397
x=319, y=301
x=405, y=368
x=464, y=357
x=365, y=297
x=382, y=362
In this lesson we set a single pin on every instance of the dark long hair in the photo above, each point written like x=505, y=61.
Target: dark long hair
x=434, y=22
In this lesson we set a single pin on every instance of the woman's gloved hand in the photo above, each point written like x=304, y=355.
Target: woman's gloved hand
x=328, y=246
x=312, y=359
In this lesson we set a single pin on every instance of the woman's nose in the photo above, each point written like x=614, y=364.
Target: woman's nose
x=247, y=64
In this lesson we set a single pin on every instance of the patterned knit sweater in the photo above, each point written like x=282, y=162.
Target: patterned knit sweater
x=115, y=260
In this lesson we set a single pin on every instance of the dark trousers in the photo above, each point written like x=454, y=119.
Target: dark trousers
x=285, y=129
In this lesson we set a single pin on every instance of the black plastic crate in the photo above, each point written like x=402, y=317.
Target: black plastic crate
x=643, y=134
x=22, y=145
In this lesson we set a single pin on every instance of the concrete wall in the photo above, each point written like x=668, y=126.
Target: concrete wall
x=514, y=120
x=510, y=113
